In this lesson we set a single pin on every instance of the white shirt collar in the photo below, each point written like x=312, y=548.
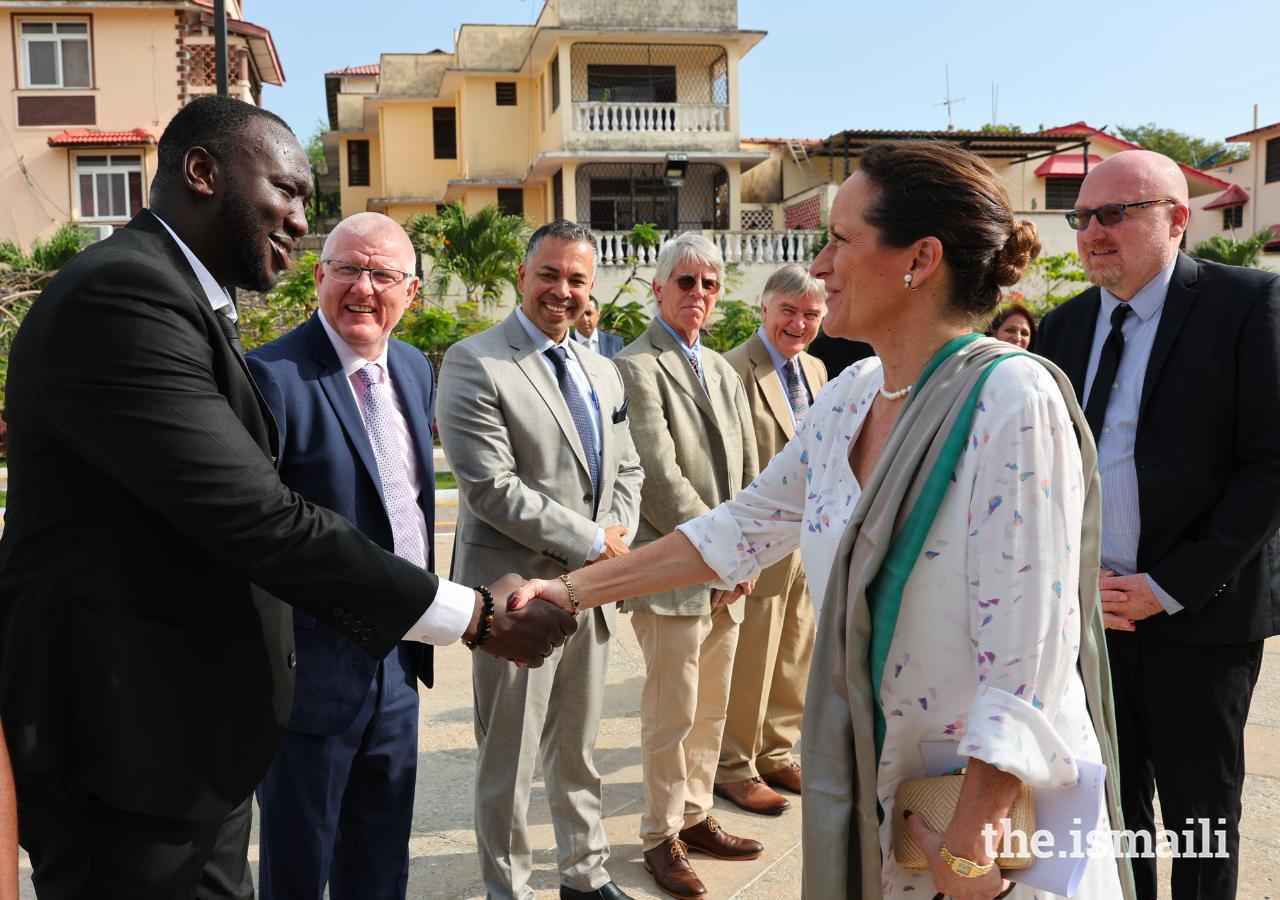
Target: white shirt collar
x=351, y=361
x=587, y=341
x=1147, y=302
x=215, y=293
x=541, y=341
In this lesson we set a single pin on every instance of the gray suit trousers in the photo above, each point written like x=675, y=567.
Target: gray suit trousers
x=513, y=721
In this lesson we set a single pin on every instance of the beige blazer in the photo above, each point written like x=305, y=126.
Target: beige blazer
x=771, y=413
x=697, y=447
x=523, y=482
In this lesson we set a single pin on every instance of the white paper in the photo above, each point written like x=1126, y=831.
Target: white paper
x=1059, y=811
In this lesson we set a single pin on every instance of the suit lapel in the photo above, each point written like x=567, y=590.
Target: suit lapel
x=1079, y=340
x=410, y=392
x=812, y=374
x=770, y=385
x=676, y=362
x=1182, y=294
x=538, y=371
x=337, y=387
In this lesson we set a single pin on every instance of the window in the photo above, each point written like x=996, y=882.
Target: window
x=55, y=54
x=357, y=163
x=555, y=82
x=110, y=187
x=1061, y=192
x=444, y=122
x=1232, y=217
x=511, y=201
x=1273, y=160
x=557, y=193
x=632, y=84
x=506, y=93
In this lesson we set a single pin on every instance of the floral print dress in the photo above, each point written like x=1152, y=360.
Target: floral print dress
x=987, y=640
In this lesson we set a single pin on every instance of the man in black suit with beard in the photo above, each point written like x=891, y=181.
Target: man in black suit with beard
x=1177, y=364
x=146, y=664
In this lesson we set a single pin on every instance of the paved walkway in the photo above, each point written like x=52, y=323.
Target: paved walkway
x=443, y=855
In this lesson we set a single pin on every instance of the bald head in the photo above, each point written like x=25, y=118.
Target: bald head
x=371, y=228
x=1125, y=256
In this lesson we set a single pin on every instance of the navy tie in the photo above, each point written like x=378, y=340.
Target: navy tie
x=560, y=359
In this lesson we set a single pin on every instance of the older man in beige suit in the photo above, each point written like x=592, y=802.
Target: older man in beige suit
x=775, y=643
x=692, y=428
x=535, y=428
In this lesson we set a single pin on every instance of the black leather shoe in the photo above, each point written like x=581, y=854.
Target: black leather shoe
x=609, y=892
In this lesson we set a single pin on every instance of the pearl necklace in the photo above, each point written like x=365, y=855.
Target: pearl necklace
x=896, y=395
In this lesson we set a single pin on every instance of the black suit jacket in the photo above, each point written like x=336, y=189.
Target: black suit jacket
x=142, y=645
x=1207, y=449
x=325, y=456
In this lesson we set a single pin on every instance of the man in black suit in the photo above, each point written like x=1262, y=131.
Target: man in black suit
x=1177, y=364
x=146, y=664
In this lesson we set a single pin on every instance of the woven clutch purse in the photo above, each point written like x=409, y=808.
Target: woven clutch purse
x=935, y=800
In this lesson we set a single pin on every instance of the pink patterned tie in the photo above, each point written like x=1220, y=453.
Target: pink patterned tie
x=397, y=492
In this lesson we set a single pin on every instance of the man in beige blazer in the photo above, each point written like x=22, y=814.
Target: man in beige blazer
x=535, y=428
x=692, y=428
x=771, y=669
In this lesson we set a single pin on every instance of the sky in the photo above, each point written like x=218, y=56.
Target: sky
x=830, y=65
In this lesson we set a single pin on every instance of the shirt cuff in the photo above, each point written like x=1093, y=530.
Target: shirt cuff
x=448, y=616
x=724, y=549
x=1017, y=737
x=598, y=547
x=1170, y=605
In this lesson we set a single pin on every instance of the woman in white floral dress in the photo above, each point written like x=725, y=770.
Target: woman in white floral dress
x=984, y=648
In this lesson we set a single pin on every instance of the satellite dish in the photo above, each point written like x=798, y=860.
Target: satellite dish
x=1208, y=160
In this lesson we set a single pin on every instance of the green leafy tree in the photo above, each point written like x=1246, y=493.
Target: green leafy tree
x=735, y=319
x=629, y=320
x=483, y=251
x=264, y=317
x=1002, y=129
x=327, y=204
x=1180, y=146
x=1050, y=280
x=433, y=329
x=1232, y=252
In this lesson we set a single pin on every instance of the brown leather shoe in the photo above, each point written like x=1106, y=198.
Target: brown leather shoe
x=788, y=778
x=753, y=795
x=668, y=863
x=708, y=837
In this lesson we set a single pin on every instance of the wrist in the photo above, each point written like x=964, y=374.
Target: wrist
x=473, y=627
x=972, y=847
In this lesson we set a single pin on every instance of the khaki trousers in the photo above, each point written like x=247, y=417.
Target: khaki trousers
x=770, y=676
x=688, y=664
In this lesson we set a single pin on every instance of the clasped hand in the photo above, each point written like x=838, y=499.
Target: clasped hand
x=1126, y=599
x=525, y=634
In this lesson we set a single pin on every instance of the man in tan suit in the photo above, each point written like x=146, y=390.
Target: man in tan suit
x=692, y=428
x=535, y=428
x=771, y=669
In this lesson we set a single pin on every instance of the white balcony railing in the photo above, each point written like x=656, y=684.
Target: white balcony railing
x=736, y=246
x=597, y=115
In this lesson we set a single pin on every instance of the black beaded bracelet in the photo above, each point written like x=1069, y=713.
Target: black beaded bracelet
x=486, y=619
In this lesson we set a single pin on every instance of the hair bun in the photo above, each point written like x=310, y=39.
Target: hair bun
x=1020, y=248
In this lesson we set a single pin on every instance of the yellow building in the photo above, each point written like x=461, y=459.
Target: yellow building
x=92, y=86
x=1251, y=200
x=594, y=113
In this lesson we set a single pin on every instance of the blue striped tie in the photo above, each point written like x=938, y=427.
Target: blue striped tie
x=577, y=409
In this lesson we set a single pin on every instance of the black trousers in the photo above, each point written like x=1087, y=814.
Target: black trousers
x=81, y=848
x=1180, y=717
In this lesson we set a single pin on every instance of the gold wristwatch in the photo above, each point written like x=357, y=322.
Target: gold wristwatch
x=965, y=868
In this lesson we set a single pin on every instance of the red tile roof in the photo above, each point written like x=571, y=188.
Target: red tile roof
x=81, y=137
x=371, y=69
x=1249, y=134
x=1067, y=164
x=1083, y=128
x=1232, y=196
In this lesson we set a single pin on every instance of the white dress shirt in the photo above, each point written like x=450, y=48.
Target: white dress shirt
x=591, y=343
x=780, y=366
x=1121, y=516
x=543, y=343
x=449, y=614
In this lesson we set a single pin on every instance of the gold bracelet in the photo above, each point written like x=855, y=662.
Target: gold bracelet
x=965, y=868
x=573, y=597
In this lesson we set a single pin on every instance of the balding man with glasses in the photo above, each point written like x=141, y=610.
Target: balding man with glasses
x=1176, y=362
x=355, y=408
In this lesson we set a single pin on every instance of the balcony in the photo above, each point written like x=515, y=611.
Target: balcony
x=597, y=115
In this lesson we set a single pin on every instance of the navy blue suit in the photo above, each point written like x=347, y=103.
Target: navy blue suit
x=610, y=344
x=345, y=772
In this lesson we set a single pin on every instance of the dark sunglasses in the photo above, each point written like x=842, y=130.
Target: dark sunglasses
x=1111, y=214
x=686, y=283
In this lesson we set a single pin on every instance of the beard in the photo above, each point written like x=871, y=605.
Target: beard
x=1107, y=276
x=248, y=257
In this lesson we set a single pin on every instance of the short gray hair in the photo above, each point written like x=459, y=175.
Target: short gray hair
x=684, y=247
x=564, y=230
x=794, y=281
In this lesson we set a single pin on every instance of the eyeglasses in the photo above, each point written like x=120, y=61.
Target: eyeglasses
x=349, y=273
x=686, y=283
x=1111, y=214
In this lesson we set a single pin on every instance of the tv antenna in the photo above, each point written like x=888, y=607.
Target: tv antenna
x=995, y=105
x=949, y=101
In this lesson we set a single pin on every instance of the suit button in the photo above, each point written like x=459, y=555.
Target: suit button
x=348, y=619
x=337, y=612
x=366, y=634
x=586, y=498
x=356, y=626
x=293, y=660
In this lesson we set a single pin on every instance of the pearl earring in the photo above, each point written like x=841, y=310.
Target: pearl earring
x=906, y=282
